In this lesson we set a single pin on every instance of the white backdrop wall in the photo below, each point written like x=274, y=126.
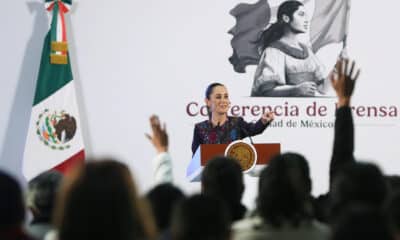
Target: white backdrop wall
x=135, y=58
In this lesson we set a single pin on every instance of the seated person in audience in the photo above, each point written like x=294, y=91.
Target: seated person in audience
x=360, y=222
x=350, y=181
x=392, y=211
x=222, y=178
x=42, y=191
x=284, y=204
x=357, y=183
x=162, y=199
x=200, y=217
x=99, y=201
x=12, y=210
x=162, y=163
x=343, y=81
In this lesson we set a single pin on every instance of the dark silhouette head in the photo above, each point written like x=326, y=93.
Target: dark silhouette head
x=42, y=191
x=100, y=201
x=284, y=190
x=163, y=199
x=357, y=182
x=12, y=210
x=360, y=222
x=222, y=177
x=200, y=217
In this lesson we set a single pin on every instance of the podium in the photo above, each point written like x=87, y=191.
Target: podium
x=206, y=152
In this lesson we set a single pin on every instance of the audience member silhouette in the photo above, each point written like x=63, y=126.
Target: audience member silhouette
x=162, y=199
x=12, y=210
x=200, y=217
x=343, y=82
x=350, y=181
x=41, y=195
x=222, y=177
x=285, y=190
x=357, y=183
x=361, y=222
x=284, y=206
x=99, y=201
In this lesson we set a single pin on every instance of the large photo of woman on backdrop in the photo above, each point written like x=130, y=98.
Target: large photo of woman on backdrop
x=284, y=50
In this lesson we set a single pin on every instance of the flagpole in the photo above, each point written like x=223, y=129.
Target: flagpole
x=343, y=53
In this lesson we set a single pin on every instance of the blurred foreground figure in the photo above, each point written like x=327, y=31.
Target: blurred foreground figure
x=42, y=191
x=99, y=201
x=200, y=217
x=12, y=210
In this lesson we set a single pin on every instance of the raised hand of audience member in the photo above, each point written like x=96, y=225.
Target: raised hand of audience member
x=343, y=80
x=159, y=137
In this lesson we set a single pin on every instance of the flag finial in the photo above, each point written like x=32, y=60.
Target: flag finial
x=58, y=33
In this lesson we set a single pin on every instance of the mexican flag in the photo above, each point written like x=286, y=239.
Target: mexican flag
x=54, y=139
x=329, y=23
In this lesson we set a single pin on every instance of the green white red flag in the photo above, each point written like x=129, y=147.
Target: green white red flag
x=329, y=23
x=54, y=139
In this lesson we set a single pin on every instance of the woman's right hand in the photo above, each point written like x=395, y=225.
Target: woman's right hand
x=306, y=89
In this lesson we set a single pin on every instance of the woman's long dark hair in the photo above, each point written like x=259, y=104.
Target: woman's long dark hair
x=284, y=190
x=208, y=93
x=100, y=201
x=276, y=30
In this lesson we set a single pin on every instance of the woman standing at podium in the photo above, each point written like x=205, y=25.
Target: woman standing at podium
x=221, y=128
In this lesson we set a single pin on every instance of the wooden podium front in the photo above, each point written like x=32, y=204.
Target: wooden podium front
x=206, y=152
